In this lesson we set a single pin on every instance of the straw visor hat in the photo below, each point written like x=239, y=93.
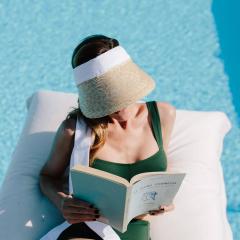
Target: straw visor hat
x=110, y=82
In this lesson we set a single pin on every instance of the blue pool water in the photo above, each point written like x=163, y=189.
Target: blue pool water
x=189, y=47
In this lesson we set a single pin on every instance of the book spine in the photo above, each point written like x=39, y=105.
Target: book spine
x=127, y=200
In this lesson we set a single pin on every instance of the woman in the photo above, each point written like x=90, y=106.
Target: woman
x=129, y=137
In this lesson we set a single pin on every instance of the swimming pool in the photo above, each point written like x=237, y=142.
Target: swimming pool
x=180, y=49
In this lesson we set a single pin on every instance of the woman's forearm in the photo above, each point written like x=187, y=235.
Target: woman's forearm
x=54, y=188
x=142, y=217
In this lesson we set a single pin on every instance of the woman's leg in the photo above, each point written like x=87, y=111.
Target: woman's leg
x=78, y=230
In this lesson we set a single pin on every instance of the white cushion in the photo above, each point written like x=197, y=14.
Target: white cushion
x=195, y=148
x=200, y=205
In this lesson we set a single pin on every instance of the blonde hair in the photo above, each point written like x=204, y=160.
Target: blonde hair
x=89, y=48
x=98, y=127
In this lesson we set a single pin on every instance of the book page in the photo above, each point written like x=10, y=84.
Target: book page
x=139, y=176
x=100, y=173
x=152, y=191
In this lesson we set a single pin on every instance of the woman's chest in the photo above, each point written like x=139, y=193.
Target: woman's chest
x=130, y=148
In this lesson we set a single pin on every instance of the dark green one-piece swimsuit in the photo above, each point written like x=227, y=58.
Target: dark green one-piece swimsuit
x=139, y=229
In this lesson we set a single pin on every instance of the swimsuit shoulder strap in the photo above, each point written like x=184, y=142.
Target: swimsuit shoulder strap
x=155, y=121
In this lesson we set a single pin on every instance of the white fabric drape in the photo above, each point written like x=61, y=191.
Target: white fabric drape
x=80, y=155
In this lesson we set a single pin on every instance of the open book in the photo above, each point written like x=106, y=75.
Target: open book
x=119, y=200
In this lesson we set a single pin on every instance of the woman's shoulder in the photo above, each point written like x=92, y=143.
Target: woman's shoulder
x=69, y=126
x=167, y=109
x=60, y=154
x=167, y=114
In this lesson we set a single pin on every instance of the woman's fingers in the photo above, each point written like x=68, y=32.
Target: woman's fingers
x=81, y=210
x=159, y=211
x=155, y=212
x=78, y=220
x=169, y=207
x=76, y=210
x=141, y=216
x=74, y=204
x=77, y=203
x=162, y=209
x=79, y=217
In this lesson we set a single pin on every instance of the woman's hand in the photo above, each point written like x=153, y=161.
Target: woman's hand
x=141, y=217
x=162, y=209
x=75, y=210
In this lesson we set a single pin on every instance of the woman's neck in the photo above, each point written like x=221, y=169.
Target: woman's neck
x=134, y=121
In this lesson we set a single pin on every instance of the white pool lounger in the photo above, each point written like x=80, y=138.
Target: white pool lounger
x=195, y=148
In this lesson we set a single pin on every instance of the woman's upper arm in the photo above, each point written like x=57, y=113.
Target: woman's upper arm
x=59, y=156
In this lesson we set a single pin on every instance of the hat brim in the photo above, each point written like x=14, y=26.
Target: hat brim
x=114, y=90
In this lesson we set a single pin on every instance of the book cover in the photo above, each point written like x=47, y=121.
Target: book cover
x=119, y=200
